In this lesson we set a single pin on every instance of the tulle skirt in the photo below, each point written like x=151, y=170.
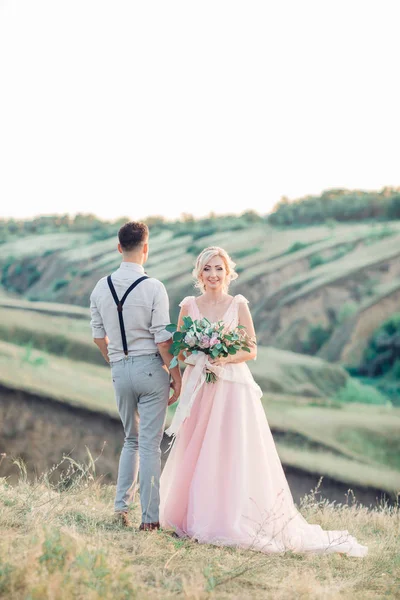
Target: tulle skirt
x=224, y=484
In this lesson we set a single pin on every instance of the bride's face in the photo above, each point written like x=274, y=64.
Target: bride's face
x=214, y=274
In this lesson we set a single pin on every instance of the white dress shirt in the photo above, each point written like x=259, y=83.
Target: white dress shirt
x=145, y=312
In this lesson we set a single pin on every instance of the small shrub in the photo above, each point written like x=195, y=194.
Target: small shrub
x=204, y=232
x=54, y=554
x=395, y=370
x=378, y=234
x=394, y=208
x=238, y=226
x=347, y=310
x=317, y=336
x=368, y=288
x=382, y=350
x=6, y=571
x=342, y=251
x=296, y=246
x=354, y=391
x=27, y=357
x=193, y=249
x=101, y=234
x=48, y=252
x=60, y=283
x=184, y=229
x=245, y=252
x=315, y=260
x=34, y=275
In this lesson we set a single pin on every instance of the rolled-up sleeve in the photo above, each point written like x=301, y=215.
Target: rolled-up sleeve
x=160, y=316
x=96, y=322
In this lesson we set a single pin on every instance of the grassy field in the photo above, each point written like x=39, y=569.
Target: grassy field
x=356, y=444
x=60, y=541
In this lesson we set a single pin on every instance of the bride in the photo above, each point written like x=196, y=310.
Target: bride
x=223, y=482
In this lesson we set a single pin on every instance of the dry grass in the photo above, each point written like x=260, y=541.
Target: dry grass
x=60, y=542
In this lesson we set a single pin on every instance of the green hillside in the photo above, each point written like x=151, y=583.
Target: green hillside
x=303, y=284
x=317, y=294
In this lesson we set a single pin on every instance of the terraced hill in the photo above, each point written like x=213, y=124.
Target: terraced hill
x=306, y=285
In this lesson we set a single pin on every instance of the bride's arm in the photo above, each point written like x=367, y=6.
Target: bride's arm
x=184, y=313
x=246, y=320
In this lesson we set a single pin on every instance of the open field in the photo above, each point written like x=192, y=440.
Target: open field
x=319, y=437
x=61, y=541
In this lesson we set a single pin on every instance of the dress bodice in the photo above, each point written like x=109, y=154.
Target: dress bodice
x=231, y=316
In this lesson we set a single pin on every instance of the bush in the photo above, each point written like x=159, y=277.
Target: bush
x=183, y=230
x=395, y=370
x=378, y=234
x=60, y=283
x=383, y=348
x=315, y=261
x=394, y=208
x=347, y=310
x=204, y=232
x=317, y=337
x=354, y=391
x=245, y=252
x=102, y=234
x=296, y=246
x=34, y=275
x=193, y=249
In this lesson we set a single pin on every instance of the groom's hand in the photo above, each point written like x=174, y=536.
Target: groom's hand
x=176, y=389
x=175, y=372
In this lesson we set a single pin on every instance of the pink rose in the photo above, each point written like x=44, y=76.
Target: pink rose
x=214, y=340
x=190, y=340
x=205, y=342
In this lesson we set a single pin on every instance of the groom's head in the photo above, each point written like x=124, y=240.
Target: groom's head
x=134, y=241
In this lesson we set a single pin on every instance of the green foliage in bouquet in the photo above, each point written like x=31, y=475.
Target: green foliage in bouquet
x=211, y=338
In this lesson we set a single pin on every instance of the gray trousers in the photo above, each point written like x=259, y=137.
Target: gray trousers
x=141, y=386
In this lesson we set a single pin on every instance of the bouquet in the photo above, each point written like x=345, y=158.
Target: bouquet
x=203, y=336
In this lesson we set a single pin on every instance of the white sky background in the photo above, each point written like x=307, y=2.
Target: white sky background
x=162, y=107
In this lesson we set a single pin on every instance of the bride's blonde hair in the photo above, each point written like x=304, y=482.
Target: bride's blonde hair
x=203, y=258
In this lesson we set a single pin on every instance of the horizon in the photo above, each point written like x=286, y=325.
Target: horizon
x=195, y=217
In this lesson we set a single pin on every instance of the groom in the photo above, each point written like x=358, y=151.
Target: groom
x=129, y=314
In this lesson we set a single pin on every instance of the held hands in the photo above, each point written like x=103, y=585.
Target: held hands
x=175, y=386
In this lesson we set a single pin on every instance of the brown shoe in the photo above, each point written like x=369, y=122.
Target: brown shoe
x=149, y=526
x=122, y=518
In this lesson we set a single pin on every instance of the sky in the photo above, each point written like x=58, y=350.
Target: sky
x=127, y=108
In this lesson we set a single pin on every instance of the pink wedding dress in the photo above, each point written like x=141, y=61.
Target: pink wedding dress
x=223, y=482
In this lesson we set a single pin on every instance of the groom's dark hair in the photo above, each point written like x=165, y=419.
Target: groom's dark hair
x=132, y=235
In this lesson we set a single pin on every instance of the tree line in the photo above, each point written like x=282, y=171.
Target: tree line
x=337, y=205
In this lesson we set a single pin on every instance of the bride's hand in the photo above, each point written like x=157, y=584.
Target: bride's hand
x=220, y=361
